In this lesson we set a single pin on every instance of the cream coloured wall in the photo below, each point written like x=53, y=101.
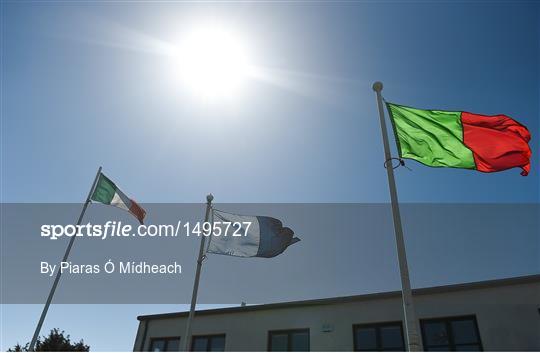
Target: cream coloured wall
x=508, y=319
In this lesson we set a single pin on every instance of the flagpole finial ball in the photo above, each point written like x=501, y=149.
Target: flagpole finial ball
x=209, y=198
x=377, y=86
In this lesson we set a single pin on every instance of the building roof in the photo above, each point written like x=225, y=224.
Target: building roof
x=353, y=298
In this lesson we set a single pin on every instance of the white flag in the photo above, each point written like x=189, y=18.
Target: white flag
x=249, y=236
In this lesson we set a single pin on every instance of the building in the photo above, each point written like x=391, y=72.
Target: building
x=491, y=315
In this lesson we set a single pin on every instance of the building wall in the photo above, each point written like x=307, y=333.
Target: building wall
x=508, y=319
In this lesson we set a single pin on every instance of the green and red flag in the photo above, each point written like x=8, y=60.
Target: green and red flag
x=108, y=193
x=455, y=139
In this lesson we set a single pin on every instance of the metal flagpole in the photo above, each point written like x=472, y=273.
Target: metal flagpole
x=411, y=326
x=200, y=259
x=58, y=274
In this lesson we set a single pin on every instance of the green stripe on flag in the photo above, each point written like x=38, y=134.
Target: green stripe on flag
x=431, y=137
x=104, y=191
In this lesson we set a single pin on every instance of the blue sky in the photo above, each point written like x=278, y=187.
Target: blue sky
x=84, y=84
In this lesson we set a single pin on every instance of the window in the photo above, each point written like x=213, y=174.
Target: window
x=165, y=344
x=289, y=340
x=208, y=343
x=451, y=334
x=379, y=337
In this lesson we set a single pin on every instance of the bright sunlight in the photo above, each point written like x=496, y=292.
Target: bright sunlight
x=213, y=63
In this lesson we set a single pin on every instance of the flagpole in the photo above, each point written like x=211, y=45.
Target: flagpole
x=200, y=259
x=411, y=325
x=58, y=274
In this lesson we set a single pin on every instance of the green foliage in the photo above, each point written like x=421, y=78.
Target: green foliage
x=57, y=341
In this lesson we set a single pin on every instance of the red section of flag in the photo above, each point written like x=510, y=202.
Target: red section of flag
x=137, y=211
x=498, y=142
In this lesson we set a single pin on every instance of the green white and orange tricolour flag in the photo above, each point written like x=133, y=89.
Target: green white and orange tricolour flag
x=439, y=138
x=108, y=193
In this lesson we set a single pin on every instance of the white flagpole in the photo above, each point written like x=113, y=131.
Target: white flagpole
x=200, y=259
x=58, y=274
x=411, y=325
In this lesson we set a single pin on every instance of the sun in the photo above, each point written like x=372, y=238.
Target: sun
x=213, y=63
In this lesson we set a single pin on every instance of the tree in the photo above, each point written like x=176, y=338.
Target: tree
x=57, y=341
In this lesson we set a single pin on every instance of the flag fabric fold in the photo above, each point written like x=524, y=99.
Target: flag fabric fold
x=108, y=193
x=259, y=236
x=456, y=139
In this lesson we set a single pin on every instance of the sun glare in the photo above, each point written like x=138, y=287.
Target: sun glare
x=213, y=63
